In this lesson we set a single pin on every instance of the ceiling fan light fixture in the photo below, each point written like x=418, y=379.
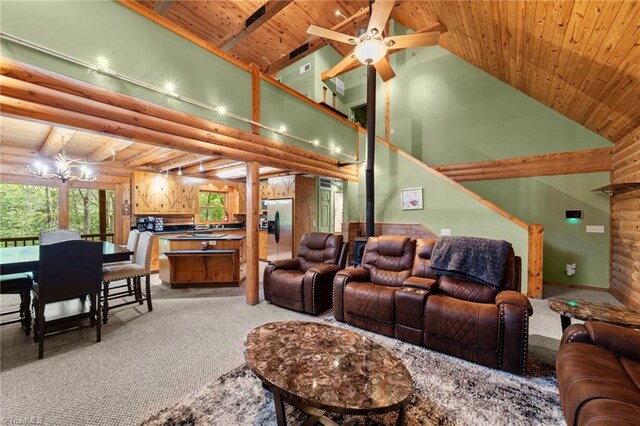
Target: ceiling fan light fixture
x=370, y=51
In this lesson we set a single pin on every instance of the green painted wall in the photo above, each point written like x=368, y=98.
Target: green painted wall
x=135, y=46
x=444, y=205
x=547, y=199
x=445, y=111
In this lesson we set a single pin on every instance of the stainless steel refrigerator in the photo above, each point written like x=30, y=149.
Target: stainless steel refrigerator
x=280, y=229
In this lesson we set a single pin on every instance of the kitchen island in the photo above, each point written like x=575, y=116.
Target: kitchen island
x=201, y=259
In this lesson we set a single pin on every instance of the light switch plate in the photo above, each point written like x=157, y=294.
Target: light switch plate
x=595, y=229
x=445, y=232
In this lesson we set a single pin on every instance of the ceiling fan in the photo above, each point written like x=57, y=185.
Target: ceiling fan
x=370, y=44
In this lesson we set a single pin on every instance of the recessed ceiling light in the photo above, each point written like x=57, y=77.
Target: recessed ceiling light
x=103, y=62
x=221, y=110
x=283, y=128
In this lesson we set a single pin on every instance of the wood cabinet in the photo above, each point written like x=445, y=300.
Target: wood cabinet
x=156, y=194
x=242, y=198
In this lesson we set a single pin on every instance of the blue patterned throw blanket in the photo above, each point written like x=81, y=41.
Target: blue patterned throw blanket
x=477, y=259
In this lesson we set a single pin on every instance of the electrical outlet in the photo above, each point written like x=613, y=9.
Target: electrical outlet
x=595, y=229
x=570, y=269
x=445, y=232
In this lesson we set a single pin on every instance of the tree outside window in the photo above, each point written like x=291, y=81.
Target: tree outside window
x=212, y=206
x=27, y=210
x=85, y=207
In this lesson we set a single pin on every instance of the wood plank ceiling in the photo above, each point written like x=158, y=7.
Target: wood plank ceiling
x=23, y=141
x=581, y=58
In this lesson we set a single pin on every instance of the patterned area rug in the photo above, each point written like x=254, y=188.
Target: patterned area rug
x=447, y=391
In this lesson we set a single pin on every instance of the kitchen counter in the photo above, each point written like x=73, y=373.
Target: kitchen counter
x=196, y=237
x=184, y=263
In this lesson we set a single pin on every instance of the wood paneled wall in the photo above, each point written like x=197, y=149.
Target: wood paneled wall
x=625, y=222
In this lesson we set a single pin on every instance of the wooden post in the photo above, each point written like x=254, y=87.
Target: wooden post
x=324, y=94
x=333, y=102
x=253, y=234
x=536, y=239
x=255, y=98
x=63, y=206
x=102, y=211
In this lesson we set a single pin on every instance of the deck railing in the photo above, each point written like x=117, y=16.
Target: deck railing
x=33, y=241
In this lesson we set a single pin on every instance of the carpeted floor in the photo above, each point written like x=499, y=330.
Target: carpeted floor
x=148, y=361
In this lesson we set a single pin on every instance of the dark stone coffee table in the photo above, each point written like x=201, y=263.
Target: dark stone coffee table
x=585, y=310
x=319, y=368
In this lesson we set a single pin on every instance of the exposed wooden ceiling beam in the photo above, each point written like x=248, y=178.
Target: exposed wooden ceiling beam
x=208, y=166
x=55, y=141
x=259, y=17
x=162, y=7
x=316, y=43
x=183, y=160
x=109, y=149
x=147, y=157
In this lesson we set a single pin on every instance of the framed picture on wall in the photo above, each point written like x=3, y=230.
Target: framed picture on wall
x=411, y=199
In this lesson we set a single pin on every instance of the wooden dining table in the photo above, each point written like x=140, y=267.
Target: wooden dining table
x=14, y=260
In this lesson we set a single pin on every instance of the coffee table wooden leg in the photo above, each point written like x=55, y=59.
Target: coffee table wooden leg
x=565, y=321
x=280, y=415
x=401, y=414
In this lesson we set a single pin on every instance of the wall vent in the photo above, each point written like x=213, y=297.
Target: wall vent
x=325, y=183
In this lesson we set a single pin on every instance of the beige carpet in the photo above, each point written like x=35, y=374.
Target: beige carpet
x=147, y=361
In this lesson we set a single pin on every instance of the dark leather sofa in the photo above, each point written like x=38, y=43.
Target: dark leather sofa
x=598, y=369
x=396, y=293
x=304, y=283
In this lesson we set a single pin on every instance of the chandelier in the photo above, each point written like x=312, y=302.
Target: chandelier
x=63, y=168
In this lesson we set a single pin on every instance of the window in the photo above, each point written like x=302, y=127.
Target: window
x=27, y=210
x=212, y=206
x=91, y=210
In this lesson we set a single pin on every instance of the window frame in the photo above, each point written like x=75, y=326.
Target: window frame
x=224, y=207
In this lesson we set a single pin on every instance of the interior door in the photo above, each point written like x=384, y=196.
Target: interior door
x=325, y=210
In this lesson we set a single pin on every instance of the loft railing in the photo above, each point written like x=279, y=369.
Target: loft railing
x=33, y=241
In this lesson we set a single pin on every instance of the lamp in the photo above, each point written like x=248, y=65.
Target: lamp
x=370, y=51
x=63, y=168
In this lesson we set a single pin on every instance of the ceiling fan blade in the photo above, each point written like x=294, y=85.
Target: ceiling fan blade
x=348, y=60
x=384, y=69
x=380, y=14
x=330, y=34
x=412, y=40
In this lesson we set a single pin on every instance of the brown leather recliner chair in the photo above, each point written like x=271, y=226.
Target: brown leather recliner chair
x=364, y=296
x=598, y=369
x=478, y=322
x=304, y=284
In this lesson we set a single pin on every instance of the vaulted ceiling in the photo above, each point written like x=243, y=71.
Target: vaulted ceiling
x=581, y=58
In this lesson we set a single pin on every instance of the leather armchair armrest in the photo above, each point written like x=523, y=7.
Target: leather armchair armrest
x=329, y=269
x=354, y=274
x=514, y=310
x=422, y=283
x=622, y=341
x=286, y=264
x=317, y=288
x=576, y=333
x=340, y=281
x=514, y=298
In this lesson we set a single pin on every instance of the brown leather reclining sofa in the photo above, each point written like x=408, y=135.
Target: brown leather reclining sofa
x=598, y=369
x=304, y=283
x=397, y=294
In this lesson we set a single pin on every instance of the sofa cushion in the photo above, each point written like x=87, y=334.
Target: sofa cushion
x=587, y=373
x=368, y=300
x=318, y=248
x=389, y=259
x=474, y=325
x=421, y=262
x=468, y=290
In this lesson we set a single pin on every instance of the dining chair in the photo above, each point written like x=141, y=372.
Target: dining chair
x=139, y=267
x=132, y=245
x=18, y=284
x=67, y=270
x=58, y=235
